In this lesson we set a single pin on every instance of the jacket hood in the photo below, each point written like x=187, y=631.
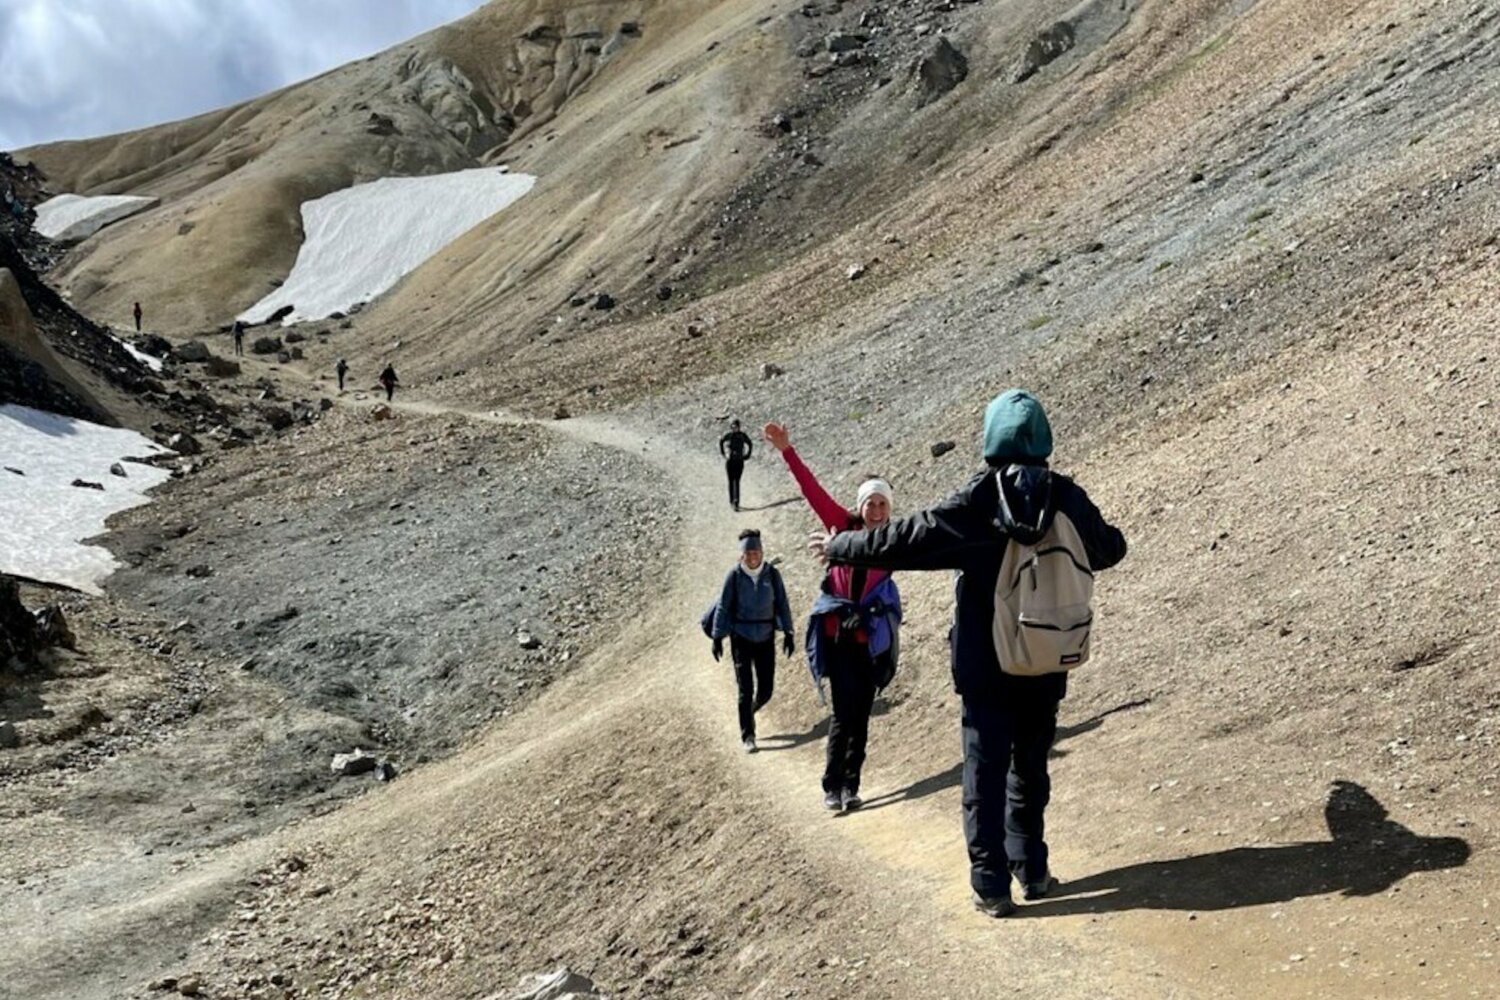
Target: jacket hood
x=1016, y=429
x=1027, y=504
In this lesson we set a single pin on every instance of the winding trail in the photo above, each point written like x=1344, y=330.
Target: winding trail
x=910, y=850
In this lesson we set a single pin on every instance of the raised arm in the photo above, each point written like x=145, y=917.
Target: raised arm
x=1102, y=541
x=834, y=515
x=938, y=538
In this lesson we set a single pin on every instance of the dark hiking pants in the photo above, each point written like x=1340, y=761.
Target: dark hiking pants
x=1006, y=788
x=755, y=673
x=851, y=688
x=734, y=468
x=390, y=392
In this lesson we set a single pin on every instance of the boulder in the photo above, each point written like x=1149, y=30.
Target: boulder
x=18, y=638
x=294, y=337
x=265, y=345
x=184, y=444
x=1043, y=49
x=221, y=367
x=52, y=628
x=941, y=68
x=193, y=350
x=9, y=738
x=770, y=370
x=347, y=765
x=845, y=41
x=154, y=345
x=382, y=412
x=116, y=469
x=553, y=986
x=85, y=484
x=284, y=357
x=279, y=417
x=284, y=312
x=941, y=448
x=604, y=300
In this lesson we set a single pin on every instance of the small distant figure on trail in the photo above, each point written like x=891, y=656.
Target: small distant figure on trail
x=388, y=382
x=735, y=448
x=854, y=633
x=1026, y=542
x=136, y=312
x=239, y=337
x=342, y=368
x=752, y=604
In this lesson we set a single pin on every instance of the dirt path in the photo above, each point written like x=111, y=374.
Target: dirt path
x=912, y=850
x=649, y=719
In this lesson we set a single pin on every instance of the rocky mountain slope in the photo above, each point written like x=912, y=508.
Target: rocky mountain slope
x=1246, y=252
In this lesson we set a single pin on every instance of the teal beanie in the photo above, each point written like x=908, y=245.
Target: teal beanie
x=1016, y=429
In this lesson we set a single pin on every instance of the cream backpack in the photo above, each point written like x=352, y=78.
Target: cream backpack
x=1043, y=603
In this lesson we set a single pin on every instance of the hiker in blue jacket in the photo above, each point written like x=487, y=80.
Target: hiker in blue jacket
x=1009, y=722
x=752, y=606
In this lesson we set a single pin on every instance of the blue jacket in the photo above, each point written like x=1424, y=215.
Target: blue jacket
x=880, y=615
x=750, y=608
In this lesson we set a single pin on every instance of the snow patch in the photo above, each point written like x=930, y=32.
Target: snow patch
x=69, y=218
x=149, y=360
x=43, y=517
x=362, y=240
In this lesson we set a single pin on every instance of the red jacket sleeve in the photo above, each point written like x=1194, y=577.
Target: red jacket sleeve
x=834, y=515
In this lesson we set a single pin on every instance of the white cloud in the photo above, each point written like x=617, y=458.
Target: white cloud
x=76, y=68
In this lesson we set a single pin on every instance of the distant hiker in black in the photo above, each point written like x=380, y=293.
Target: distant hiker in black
x=388, y=382
x=1009, y=713
x=752, y=604
x=735, y=447
x=342, y=368
x=239, y=337
x=136, y=312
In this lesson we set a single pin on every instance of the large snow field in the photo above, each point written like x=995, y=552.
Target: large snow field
x=69, y=218
x=360, y=241
x=43, y=517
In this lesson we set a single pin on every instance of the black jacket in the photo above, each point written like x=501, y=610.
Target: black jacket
x=736, y=445
x=968, y=532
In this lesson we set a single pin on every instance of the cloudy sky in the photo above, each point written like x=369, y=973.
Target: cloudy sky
x=76, y=68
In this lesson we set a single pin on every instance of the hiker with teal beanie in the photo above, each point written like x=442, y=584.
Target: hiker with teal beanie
x=1016, y=530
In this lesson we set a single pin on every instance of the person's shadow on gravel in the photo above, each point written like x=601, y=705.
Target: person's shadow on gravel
x=1369, y=853
x=791, y=741
x=767, y=506
x=954, y=776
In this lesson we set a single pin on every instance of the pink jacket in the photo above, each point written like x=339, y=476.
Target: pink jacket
x=835, y=517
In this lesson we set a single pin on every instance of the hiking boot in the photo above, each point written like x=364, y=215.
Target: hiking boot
x=1036, y=890
x=994, y=906
x=833, y=801
x=750, y=744
x=851, y=800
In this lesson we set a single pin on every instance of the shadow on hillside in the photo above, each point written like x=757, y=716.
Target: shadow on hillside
x=1090, y=724
x=954, y=776
x=1368, y=853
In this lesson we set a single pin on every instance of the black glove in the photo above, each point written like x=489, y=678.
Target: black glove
x=718, y=650
x=788, y=646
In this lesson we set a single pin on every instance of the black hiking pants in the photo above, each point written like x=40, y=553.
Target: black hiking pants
x=1006, y=788
x=851, y=688
x=390, y=391
x=239, y=345
x=755, y=673
x=734, y=468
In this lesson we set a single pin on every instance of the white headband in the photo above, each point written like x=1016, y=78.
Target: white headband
x=874, y=487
